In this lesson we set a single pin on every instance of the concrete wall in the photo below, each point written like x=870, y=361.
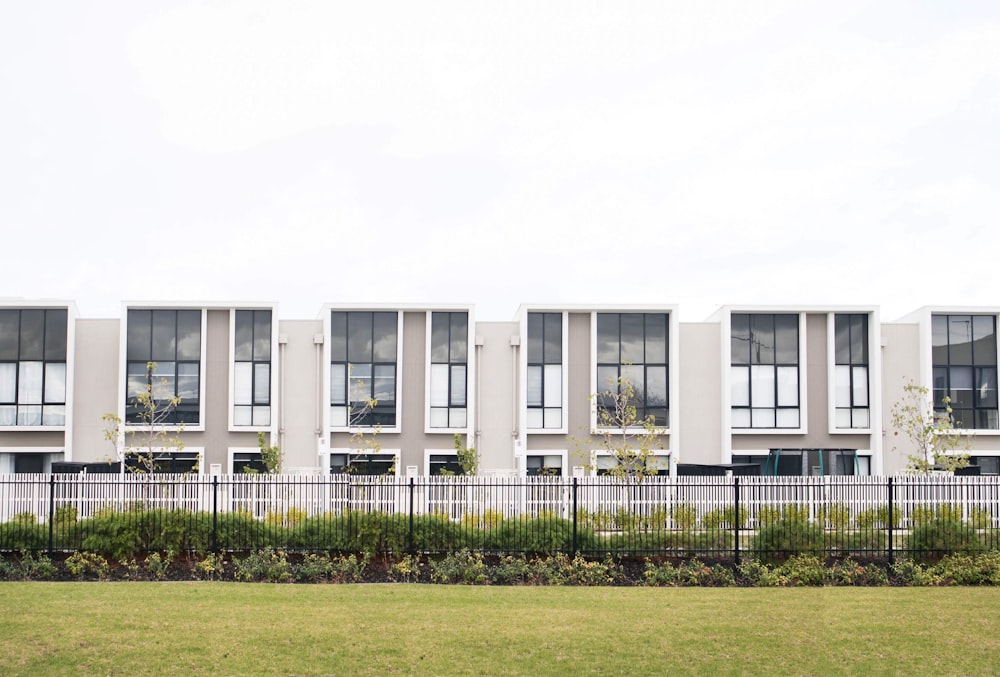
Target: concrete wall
x=95, y=387
x=701, y=393
x=301, y=379
x=496, y=397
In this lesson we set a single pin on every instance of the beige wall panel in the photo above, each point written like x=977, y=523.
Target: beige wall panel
x=900, y=365
x=27, y=440
x=301, y=407
x=700, y=393
x=95, y=387
x=496, y=395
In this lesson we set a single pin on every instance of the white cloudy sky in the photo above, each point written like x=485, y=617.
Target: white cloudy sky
x=698, y=153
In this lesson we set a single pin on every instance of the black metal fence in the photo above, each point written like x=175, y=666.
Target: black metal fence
x=881, y=518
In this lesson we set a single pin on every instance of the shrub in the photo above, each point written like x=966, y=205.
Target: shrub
x=538, y=535
x=209, y=568
x=87, y=565
x=877, y=518
x=659, y=574
x=785, y=538
x=27, y=567
x=267, y=565
x=696, y=573
x=24, y=533
x=406, y=569
x=560, y=569
x=723, y=518
x=921, y=514
x=834, y=516
x=684, y=516
x=753, y=573
x=513, y=570
x=337, y=569
x=981, y=518
x=463, y=567
x=937, y=537
x=964, y=569
x=908, y=572
x=864, y=543
x=849, y=572
x=767, y=514
x=794, y=512
x=800, y=570
x=158, y=565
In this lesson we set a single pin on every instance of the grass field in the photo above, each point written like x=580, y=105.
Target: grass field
x=230, y=629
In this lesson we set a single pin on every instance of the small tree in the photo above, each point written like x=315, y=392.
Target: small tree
x=933, y=433
x=468, y=457
x=632, y=442
x=154, y=435
x=271, y=456
x=364, y=439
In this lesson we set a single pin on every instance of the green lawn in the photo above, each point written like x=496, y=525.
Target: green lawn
x=238, y=629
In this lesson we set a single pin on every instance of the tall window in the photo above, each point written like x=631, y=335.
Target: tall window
x=252, y=368
x=449, y=369
x=544, y=370
x=765, y=370
x=33, y=367
x=965, y=369
x=363, y=368
x=163, y=357
x=632, y=347
x=851, y=370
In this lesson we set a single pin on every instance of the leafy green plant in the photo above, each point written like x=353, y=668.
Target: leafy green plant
x=406, y=569
x=834, y=516
x=465, y=567
x=269, y=565
x=83, y=565
x=723, y=518
x=785, y=538
x=209, y=568
x=157, y=565
x=938, y=537
x=850, y=572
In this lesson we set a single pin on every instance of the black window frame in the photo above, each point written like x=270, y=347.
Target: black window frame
x=358, y=413
x=457, y=323
x=52, y=349
x=856, y=353
x=260, y=354
x=758, y=352
x=539, y=356
x=362, y=464
x=643, y=406
x=982, y=361
x=188, y=410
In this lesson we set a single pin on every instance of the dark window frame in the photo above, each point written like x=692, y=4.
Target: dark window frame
x=643, y=406
x=759, y=357
x=455, y=333
x=188, y=411
x=536, y=361
x=853, y=359
x=384, y=413
x=254, y=361
x=53, y=350
x=982, y=363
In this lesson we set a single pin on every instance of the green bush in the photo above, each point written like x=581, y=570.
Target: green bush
x=158, y=566
x=964, y=569
x=794, y=512
x=802, y=570
x=937, y=538
x=785, y=538
x=27, y=567
x=834, y=516
x=767, y=514
x=560, y=569
x=877, y=518
x=538, y=535
x=211, y=567
x=87, y=565
x=684, y=516
x=863, y=543
x=24, y=533
x=696, y=573
x=513, y=570
x=910, y=573
x=849, y=572
x=723, y=518
x=465, y=567
x=268, y=565
x=317, y=568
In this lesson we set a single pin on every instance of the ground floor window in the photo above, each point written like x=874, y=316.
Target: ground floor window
x=173, y=462
x=249, y=462
x=28, y=462
x=550, y=465
x=362, y=463
x=987, y=465
x=443, y=464
x=606, y=464
x=809, y=462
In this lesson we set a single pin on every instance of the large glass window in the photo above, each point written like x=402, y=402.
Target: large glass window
x=851, y=370
x=764, y=370
x=965, y=369
x=363, y=464
x=816, y=462
x=252, y=368
x=33, y=367
x=550, y=465
x=544, y=382
x=363, y=368
x=163, y=358
x=449, y=369
x=632, y=348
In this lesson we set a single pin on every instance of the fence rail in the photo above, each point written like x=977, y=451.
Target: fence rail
x=877, y=517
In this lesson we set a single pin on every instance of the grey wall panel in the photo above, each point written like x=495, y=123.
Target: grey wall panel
x=301, y=372
x=95, y=385
x=700, y=393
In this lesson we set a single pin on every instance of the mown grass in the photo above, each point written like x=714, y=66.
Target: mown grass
x=230, y=629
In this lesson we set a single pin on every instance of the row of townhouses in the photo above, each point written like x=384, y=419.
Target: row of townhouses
x=774, y=390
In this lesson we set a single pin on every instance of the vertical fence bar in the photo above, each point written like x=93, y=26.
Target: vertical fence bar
x=215, y=513
x=891, y=517
x=574, y=515
x=52, y=509
x=409, y=538
x=736, y=519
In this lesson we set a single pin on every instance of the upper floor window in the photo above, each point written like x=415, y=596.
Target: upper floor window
x=851, y=370
x=632, y=348
x=964, y=351
x=33, y=367
x=764, y=370
x=252, y=368
x=363, y=368
x=544, y=384
x=163, y=358
x=449, y=369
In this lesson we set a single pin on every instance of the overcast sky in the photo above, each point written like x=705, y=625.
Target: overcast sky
x=699, y=153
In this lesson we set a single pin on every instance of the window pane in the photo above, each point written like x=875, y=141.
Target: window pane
x=634, y=374
x=164, y=335
x=842, y=338
x=384, y=336
x=29, y=415
x=457, y=418
x=633, y=342
x=262, y=383
x=338, y=384
x=338, y=337
x=360, y=387
x=243, y=415
x=536, y=326
x=656, y=386
x=843, y=418
x=385, y=383
x=536, y=419
x=534, y=386
x=439, y=417
x=439, y=386
x=338, y=416
x=762, y=418
x=262, y=335
x=740, y=386
x=842, y=386
x=553, y=385
x=55, y=334
x=359, y=340
x=607, y=340
x=762, y=339
x=439, y=337
x=788, y=387
x=986, y=387
x=656, y=338
x=187, y=382
x=961, y=387
x=261, y=416
x=860, y=386
x=458, y=385
x=8, y=414
x=939, y=339
x=860, y=415
x=459, y=337
x=740, y=338
x=32, y=335
x=553, y=338
x=140, y=335
x=9, y=332
x=762, y=386
x=859, y=339
x=960, y=339
x=786, y=339
x=553, y=418
x=243, y=338
x=55, y=382
x=607, y=379
x=136, y=382
x=188, y=335
x=787, y=418
x=243, y=383
x=741, y=418
x=54, y=414
x=29, y=383
x=8, y=382
x=985, y=340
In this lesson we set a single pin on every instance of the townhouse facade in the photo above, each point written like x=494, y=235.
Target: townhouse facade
x=386, y=388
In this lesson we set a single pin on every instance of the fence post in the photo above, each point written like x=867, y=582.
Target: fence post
x=890, y=519
x=736, y=518
x=215, y=513
x=409, y=540
x=52, y=509
x=574, y=516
